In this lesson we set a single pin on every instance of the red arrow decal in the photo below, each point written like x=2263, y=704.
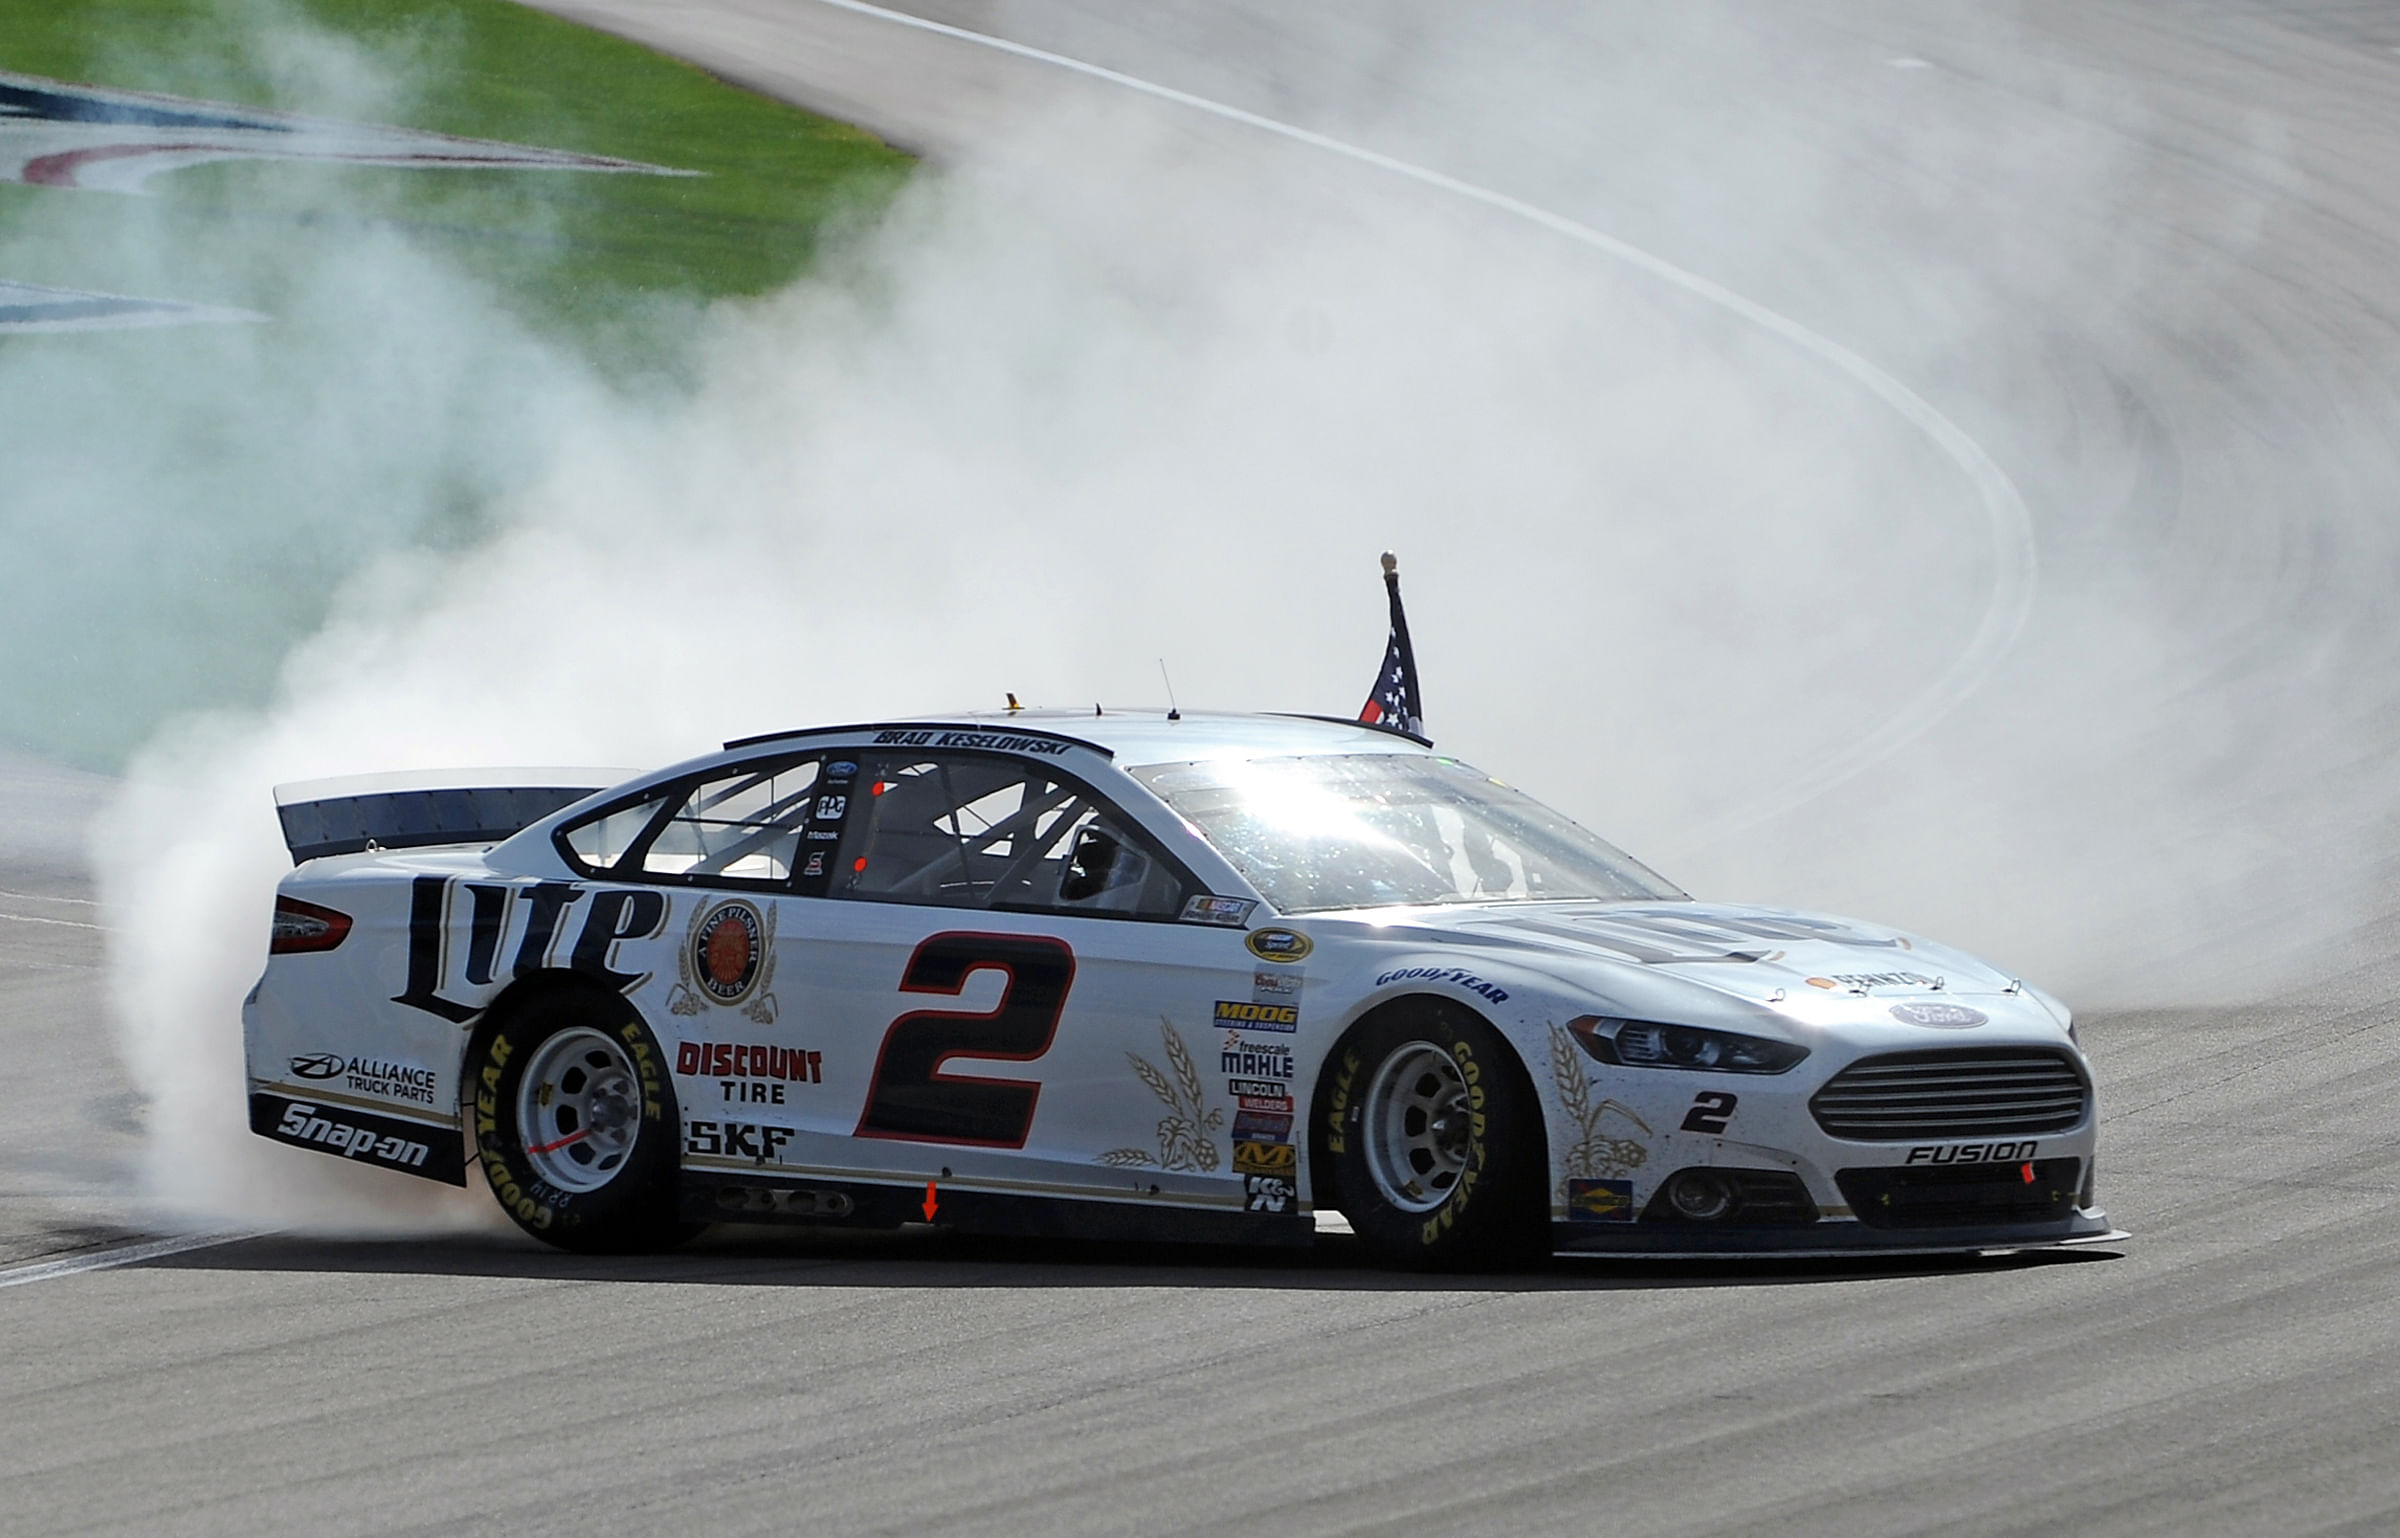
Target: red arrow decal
x=930, y=1203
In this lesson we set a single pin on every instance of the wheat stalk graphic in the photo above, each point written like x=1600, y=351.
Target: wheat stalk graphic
x=1594, y=1155
x=1184, y=1141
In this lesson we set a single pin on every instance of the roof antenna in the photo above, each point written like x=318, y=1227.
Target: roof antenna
x=1095, y=709
x=1173, y=714
x=1012, y=703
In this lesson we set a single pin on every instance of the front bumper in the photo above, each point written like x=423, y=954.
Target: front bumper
x=1829, y=1238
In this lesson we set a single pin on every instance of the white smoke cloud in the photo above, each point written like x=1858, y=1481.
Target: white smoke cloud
x=1122, y=387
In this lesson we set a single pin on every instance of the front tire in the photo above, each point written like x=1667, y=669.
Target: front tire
x=575, y=1123
x=1435, y=1140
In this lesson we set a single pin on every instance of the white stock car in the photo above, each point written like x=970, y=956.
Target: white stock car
x=1198, y=978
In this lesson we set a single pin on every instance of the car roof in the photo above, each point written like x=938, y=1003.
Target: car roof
x=1137, y=736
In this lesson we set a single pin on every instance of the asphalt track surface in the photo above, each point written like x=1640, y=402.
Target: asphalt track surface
x=2235, y=1369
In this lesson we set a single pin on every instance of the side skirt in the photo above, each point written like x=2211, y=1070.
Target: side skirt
x=386, y=1142
x=715, y=1198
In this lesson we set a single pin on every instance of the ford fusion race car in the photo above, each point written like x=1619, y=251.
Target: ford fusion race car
x=1211, y=978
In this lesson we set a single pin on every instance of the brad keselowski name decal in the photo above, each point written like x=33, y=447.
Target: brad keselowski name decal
x=749, y=1073
x=1006, y=742
x=527, y=924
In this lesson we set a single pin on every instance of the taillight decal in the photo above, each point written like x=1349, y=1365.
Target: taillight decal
x=301, y=927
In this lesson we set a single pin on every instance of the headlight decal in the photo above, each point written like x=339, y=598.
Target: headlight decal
x=1690, y=1048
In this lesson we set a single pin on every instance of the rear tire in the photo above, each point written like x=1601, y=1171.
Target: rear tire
x=1435, y=1140
x=575, y=1123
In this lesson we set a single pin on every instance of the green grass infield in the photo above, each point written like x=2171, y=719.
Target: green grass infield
x=586, y=254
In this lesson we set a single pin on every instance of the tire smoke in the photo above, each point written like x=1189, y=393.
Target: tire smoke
x=1121, y=385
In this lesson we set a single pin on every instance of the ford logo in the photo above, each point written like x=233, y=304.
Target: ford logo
x=1941, y=1017
x=319, y=1065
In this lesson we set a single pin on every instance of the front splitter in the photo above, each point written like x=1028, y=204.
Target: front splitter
x=1610, y=1241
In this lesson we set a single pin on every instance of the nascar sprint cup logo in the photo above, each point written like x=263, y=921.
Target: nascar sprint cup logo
x=728, y=958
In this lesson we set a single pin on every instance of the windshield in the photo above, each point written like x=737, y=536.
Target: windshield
x=1374, y=830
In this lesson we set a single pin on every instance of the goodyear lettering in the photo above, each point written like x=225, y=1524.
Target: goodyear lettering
x=1456, y=976
x=1973, y=1153
x=512, y=1196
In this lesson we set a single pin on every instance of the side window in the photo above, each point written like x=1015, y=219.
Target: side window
x=969, y=831
x=597, y=845
x=741, y=825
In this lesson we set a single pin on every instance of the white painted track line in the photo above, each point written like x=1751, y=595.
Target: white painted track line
x=110, y=1259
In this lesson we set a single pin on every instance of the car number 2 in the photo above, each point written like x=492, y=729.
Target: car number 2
x=1711, y=1110
x=911, y=1098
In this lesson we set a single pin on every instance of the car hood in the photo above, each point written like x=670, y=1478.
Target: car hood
x=1652, y=957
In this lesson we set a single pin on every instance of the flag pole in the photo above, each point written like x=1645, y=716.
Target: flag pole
x=1408, y=653
x=1394, y=701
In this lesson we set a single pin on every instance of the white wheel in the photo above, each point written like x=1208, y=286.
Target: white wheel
x=579, y=1109
x=1416, y=1126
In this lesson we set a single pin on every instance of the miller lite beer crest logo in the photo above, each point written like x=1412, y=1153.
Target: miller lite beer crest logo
x=728, y=959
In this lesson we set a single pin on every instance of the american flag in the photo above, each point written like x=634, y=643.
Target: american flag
x=1394, y=701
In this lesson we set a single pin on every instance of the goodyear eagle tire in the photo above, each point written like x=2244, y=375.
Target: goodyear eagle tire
x=1434, y=1139
x=575, y=1123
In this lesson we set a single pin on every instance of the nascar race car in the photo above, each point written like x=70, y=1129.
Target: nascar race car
x=1211, y=978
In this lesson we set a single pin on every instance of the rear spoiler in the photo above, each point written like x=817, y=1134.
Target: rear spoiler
x=421, y=809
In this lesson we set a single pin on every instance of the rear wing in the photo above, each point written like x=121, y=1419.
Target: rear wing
x=423, y=809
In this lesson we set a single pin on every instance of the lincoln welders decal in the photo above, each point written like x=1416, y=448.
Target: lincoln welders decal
x=56, y=134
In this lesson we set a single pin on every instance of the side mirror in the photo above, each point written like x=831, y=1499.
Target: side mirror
x=1088, y=865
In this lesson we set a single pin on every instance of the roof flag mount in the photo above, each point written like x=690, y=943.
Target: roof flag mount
x=1395, y=701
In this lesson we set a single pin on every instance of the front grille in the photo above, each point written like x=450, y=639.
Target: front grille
x=1953, y=1092
x=1915, y=1196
